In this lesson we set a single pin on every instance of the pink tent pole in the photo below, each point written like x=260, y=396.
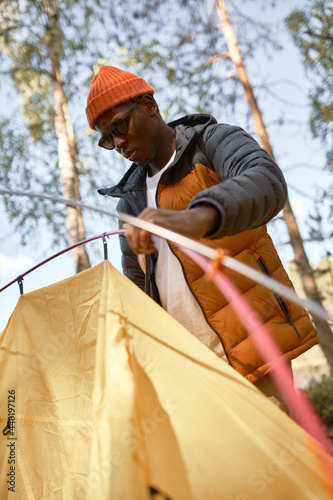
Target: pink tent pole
x=296, y=402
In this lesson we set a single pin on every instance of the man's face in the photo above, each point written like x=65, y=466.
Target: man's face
x=139, y=145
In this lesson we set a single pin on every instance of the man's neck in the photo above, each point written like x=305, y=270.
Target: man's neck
x=165, y=150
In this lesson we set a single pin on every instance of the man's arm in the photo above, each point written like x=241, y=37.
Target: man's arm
x=194, y=223
x=253, y=189
x=251, y=192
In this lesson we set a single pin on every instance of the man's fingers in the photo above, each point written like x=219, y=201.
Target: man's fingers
x=139, y=240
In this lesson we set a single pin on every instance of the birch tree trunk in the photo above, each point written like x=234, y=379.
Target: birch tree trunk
x=66, y=140
x=303, y=266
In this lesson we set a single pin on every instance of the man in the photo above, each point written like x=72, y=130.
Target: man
x=207, y=181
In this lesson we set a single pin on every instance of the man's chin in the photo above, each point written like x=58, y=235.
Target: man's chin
x=147, y=161
x=142, y=163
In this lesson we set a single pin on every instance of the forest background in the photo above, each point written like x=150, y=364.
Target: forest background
x=136, y=39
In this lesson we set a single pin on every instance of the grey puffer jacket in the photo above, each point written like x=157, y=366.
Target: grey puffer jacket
x=223, y=166
x=252, y=189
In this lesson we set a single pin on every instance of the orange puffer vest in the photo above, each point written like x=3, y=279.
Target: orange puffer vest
x=288, y=324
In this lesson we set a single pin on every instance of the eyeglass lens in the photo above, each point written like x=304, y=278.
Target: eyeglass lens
x=119, y=127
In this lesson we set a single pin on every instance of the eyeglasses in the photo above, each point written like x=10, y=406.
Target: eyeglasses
x=119, y=127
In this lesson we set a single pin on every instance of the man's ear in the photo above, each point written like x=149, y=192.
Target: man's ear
x=149, y=103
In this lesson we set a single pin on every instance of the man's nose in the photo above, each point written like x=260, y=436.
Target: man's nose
x=119, y=142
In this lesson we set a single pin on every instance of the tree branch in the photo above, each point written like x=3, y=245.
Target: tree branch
x=318, y=35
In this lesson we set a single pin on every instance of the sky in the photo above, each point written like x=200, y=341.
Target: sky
x=298, y=154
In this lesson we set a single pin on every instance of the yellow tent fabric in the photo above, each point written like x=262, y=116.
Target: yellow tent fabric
x=113, y=399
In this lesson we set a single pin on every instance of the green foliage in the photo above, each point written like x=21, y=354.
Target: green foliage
x=28, y=141
x=27, y=42
x=321, y=394
x=312, y=31
x=183, y=53
x=21, y=167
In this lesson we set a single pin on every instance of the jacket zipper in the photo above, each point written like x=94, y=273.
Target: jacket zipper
x=187, y=283
x=279, y=299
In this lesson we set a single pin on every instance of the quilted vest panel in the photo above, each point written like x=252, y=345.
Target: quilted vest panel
x=288, y=324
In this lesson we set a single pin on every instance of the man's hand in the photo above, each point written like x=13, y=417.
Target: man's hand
x=195, y=223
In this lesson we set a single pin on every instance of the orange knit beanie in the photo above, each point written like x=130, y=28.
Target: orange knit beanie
x=111, y=87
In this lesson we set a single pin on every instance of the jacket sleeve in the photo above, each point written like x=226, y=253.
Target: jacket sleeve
x=129, y=261
x=252, y=188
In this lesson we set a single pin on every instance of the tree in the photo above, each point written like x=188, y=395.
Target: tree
x=188, y=53
x=312, y=31
x=48, y=50
x=301, y=259
x=32, y=38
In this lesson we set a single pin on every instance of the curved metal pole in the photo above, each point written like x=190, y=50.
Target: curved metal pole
x=119, y=231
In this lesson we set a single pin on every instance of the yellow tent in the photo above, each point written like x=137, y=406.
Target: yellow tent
x=110, y=398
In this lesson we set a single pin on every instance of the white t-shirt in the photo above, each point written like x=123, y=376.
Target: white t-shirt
x=176, y=297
